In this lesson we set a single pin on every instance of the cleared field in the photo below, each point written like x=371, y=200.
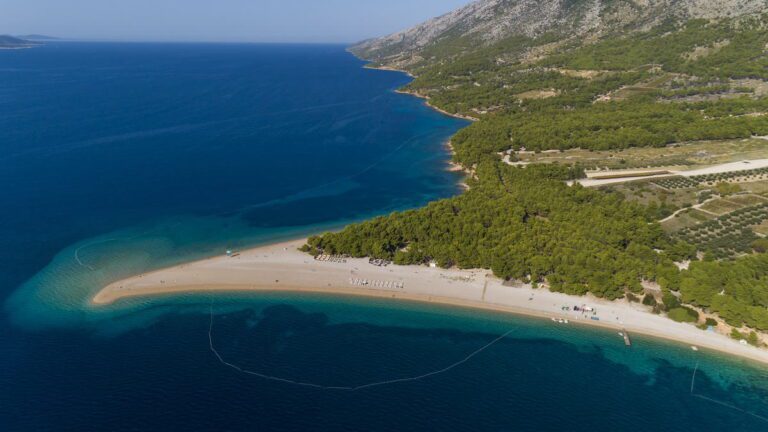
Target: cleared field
x=723, y=226
x=661, y=203
x=538, y=94
x=687, y=209
x=758, y=187
x=721, y=206
x=686, y=219
x=647, y=192
x=729, y=235
x=761, y=229
x=747, y=199
x=674, y=156
x=646, y=87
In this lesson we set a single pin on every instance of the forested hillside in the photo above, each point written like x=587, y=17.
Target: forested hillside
x=661, y=77
x=524, y=223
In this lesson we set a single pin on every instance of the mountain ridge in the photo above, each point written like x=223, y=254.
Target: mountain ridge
x=485, y=22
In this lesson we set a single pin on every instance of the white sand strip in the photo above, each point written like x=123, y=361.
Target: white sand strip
x=281, y=267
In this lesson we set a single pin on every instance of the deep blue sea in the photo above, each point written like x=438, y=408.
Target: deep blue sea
x=119, y=158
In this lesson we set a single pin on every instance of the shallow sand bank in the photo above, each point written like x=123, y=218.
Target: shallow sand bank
x=281, y=267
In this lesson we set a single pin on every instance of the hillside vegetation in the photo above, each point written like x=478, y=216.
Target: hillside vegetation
x=669, y=72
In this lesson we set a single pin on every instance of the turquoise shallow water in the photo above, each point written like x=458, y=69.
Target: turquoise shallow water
x=119, y=158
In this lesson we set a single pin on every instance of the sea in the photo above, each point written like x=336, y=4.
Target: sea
x=119, y=158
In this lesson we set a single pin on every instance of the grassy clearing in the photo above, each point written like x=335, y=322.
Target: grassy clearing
x=641, y=88
x=724, y=225
x=762, y=228
x=729, y=235
x=686, y=219
x=747, y=199
x=721, y=206
x=538, y=94
x=758, y=187
x=647, y=192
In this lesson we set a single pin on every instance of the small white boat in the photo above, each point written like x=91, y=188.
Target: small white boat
x=694, y=347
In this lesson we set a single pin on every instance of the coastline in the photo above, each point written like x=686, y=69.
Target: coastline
x=384, y=68
x=427, y=102
x=405, y=92
x=452, y=166
x=281, y=267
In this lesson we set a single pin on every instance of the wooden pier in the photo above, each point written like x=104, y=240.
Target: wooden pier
x=627, y=341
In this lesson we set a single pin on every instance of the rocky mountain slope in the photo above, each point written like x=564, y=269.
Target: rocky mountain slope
x=485, y=22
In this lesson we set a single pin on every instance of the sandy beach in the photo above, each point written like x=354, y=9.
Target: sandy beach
x=281, y=267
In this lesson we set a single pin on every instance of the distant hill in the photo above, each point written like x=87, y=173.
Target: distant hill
x=37, y=37
x=8, y=42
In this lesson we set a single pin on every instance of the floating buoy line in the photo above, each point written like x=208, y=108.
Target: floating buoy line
x=719, y=402
x=290, y=381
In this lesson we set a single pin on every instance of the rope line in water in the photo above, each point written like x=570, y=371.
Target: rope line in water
x=719, y=402
x=94, y=243
x=77, y=252
x=693, y=378
x=727, y=405
x=346, y=388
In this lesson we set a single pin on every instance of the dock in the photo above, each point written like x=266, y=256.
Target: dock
x=627, y=341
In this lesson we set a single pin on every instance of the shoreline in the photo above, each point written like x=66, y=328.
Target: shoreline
x=452, y=166
x=427, y=103
x=270, y=269
x=385, y=68
x=281, y=267
x=405, y=92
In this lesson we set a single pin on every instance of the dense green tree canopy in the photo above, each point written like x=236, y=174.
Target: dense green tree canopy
x=521, y=223
x=671, y=84
x=736, y=290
